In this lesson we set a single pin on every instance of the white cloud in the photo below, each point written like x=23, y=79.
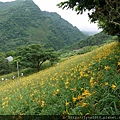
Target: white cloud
x=6, y=0
x=80, y=21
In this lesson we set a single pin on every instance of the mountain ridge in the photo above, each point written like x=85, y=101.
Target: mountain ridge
x=24, y=23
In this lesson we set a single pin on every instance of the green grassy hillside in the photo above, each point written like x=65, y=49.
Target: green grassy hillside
x=87, y=84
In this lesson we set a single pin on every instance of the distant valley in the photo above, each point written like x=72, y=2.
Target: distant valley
x=90, y=33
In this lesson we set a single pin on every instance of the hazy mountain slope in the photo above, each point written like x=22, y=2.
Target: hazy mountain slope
x=65, y=28
x=24, y=23
x=90, y=33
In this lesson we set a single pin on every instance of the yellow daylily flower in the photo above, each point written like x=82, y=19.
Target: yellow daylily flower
x=113, y=86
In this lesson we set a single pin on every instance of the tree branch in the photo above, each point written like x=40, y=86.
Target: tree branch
x=110, y=3
x=116, y=23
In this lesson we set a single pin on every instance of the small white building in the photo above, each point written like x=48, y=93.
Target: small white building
x=10, y=58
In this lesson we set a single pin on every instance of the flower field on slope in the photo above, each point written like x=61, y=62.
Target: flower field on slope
x=87, y=84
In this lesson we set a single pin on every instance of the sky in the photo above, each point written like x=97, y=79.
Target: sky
x=80, y=21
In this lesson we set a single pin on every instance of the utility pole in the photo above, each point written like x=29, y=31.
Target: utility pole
x=18, y=74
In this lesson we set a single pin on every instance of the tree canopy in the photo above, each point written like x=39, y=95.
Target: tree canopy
x=4, y=64
x=34, y=56
x=105, y=12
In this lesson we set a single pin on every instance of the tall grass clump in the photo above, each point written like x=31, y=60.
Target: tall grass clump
x=87, y=84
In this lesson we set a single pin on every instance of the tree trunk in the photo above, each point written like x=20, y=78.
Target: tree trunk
x=39, y=65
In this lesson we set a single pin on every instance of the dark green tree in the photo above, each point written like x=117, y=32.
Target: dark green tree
x=33, y=56
x=4, y=65
x=105, y=12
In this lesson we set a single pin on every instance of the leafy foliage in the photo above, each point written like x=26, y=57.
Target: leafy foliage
x=5, y=67
x=105, y=12
x=33, y=56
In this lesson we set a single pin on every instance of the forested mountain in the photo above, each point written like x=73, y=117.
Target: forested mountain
x=97, y=39
x=23, y=23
